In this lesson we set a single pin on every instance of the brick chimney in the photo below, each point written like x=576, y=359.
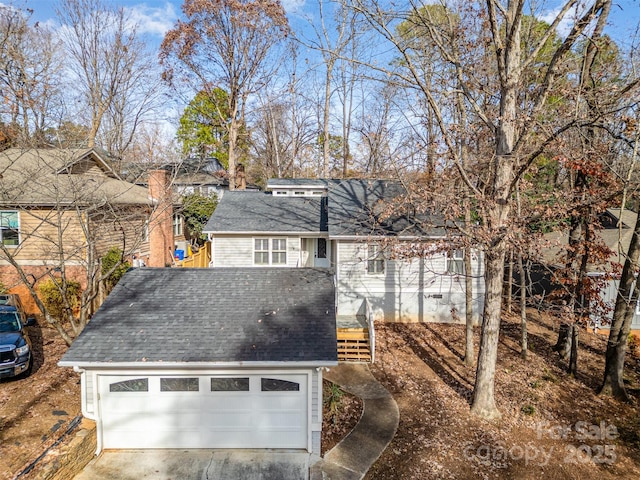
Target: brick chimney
x=161, y=240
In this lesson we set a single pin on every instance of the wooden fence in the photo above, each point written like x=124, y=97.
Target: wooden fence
x=200, y=259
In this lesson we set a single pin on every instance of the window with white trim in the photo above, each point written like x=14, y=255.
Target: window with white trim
x=455, y=262
x=10, y=228
x=375, y=260
x=178, y=224
x=270, y=251
x=261, y=251
x=278, y=251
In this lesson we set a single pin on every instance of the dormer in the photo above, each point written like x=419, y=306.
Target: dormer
x=297, y=187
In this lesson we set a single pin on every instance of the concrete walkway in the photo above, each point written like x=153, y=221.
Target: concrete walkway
x=357, y=452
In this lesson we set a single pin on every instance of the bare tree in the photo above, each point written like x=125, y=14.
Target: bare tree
x=515, y=131
x=112, y=67
x=230, y=45
x=30, y=69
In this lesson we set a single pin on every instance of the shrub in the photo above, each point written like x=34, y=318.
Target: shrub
x=332, y=399
x=113, y=258
x=528, y=409
x=51, y=295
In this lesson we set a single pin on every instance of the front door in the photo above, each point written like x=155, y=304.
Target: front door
x=322, y=253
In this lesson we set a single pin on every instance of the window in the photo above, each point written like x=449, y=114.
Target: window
x=178, y=225
x=277, y=385
x=261, y=251
x=9, y=228
x=270, y=251
x=279, y=251
x=322, y=248
x=375, y=260
x=134, y=385
x=239, y=384
x=455, y=262
x=179, y=384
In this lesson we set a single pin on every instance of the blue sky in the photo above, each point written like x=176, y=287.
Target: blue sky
x=155, y=17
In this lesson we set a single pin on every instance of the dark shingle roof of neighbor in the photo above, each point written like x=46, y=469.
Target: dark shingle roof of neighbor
x=359, y=208
x=261, y=212
x=213, y=315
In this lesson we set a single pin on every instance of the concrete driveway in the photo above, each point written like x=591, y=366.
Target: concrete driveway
x=198, y=465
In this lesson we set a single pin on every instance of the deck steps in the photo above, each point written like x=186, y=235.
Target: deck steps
x=353, y=345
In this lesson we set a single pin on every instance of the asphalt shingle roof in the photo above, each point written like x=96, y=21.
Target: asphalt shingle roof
x=43, y=177
x=213, y=315
x=369, y=208
x=240, y=211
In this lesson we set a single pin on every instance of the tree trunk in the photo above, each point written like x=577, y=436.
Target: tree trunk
x=523, y=309
x=233, y=141
x=573, y=357
x=509, y=286
x=469, y=350
x=483, y=394
x=626, y=300
x=563, y=345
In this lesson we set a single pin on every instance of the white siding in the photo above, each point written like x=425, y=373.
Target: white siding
x=415, y=290
x=232, y=251
x=237, y=251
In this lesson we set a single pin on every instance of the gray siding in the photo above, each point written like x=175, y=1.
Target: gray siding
x=609, y=294
x=415, y=290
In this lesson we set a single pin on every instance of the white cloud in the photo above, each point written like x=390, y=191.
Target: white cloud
x=292, y=6
x=567, y=22
x=153, y=20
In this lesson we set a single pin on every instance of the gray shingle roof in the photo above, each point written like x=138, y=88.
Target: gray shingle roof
x=260, y=212
x=369, y=208
x=213, y=315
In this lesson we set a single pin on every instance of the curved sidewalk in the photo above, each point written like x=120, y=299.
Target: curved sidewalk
x=356, y=453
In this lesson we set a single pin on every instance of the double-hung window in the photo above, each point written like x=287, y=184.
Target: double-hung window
x=375, y=260
x=9, y=228
x=270, y=251
x=455, y=262
x=278, y=251
x=178, y=225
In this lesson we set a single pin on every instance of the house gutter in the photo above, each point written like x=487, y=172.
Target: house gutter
x=78, y=366
x=269, y=233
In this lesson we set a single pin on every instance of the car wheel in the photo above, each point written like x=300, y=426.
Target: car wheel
x=29, y=369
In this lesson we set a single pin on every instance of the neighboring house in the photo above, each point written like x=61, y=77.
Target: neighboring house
x=203, y=176
x=64, y=208
x=615, y=233
x=234, y=363
x=339, y=224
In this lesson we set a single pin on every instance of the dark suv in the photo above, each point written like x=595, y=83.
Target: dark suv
x=15, y=345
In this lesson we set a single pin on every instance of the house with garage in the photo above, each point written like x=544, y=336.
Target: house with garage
x=349, y=227
x=234, y=363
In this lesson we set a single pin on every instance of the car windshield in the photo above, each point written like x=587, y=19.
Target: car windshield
x=9, y=322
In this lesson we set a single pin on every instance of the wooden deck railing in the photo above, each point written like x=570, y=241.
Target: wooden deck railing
x=200, y=259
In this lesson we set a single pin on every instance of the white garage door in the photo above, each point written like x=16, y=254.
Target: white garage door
x=199, y=411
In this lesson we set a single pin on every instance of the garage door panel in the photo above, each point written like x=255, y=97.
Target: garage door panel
x=228, y=420
x=218, y=401
x=252, y=418
x=186, y=402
